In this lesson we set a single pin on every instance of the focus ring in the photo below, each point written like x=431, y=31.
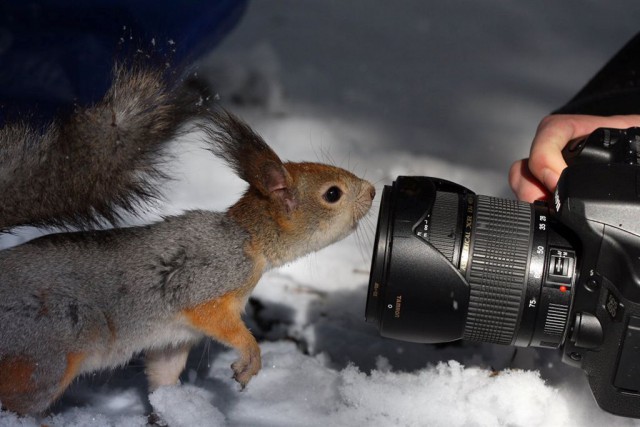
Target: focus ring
x=498, y=268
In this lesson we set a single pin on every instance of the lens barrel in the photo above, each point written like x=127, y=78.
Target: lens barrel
x=449, y=264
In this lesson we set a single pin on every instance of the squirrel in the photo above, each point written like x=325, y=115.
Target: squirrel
x=76, y=302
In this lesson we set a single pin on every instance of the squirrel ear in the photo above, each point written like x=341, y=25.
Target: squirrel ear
x=277, y=185
x=247, y=153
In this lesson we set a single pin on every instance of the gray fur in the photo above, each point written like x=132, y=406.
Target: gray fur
x=124, y=286
x=132, y=275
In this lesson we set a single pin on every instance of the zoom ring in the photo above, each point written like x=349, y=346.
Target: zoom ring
x=498, y=269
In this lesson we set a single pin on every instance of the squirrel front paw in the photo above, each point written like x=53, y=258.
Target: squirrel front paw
x=248, y=365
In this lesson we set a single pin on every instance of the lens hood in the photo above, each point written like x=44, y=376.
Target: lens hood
x=415, y=292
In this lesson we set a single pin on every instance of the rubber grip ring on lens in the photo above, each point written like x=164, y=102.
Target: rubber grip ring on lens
x=497, y=272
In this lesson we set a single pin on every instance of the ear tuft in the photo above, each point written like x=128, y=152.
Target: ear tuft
x=245, y=151
x=250, y=157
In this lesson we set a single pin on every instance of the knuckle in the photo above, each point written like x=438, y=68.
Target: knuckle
x=549, y=121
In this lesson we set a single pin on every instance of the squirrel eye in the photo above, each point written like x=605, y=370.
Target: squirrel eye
x=333, y=194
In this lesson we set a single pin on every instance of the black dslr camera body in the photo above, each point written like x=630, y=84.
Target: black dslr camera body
x=449, y=264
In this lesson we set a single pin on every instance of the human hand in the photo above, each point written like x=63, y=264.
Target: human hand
x=536, y=177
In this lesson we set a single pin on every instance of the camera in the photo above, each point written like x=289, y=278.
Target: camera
x=449, y=264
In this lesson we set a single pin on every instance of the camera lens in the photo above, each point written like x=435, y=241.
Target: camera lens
x=450, y=264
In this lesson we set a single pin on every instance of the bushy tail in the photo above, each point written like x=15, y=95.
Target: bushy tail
x=100, y=162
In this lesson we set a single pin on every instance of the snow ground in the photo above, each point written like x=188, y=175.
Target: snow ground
x=446, y=89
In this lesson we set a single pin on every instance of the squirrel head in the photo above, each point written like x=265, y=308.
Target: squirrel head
x=290, y=209
x=330, y=202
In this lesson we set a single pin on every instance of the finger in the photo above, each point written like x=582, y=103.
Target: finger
x=545, y=160
x=524, y=185
x=515, y=174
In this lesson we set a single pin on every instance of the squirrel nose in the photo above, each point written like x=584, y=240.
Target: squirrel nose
x=372, y=193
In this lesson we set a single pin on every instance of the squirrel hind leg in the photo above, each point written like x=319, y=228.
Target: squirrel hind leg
x=30, y=387
x=16, y=385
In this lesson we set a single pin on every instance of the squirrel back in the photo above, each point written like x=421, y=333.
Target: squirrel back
x=74, y=303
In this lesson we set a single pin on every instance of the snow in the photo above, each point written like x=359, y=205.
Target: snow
x=447, y=89
x=185, y=405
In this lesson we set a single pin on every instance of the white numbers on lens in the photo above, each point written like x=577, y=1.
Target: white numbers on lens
x=540, y=250
x=543, y=219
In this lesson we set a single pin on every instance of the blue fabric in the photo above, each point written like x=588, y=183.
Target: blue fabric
x=54, y=53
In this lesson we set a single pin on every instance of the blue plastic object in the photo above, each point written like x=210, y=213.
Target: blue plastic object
x=55, y=53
